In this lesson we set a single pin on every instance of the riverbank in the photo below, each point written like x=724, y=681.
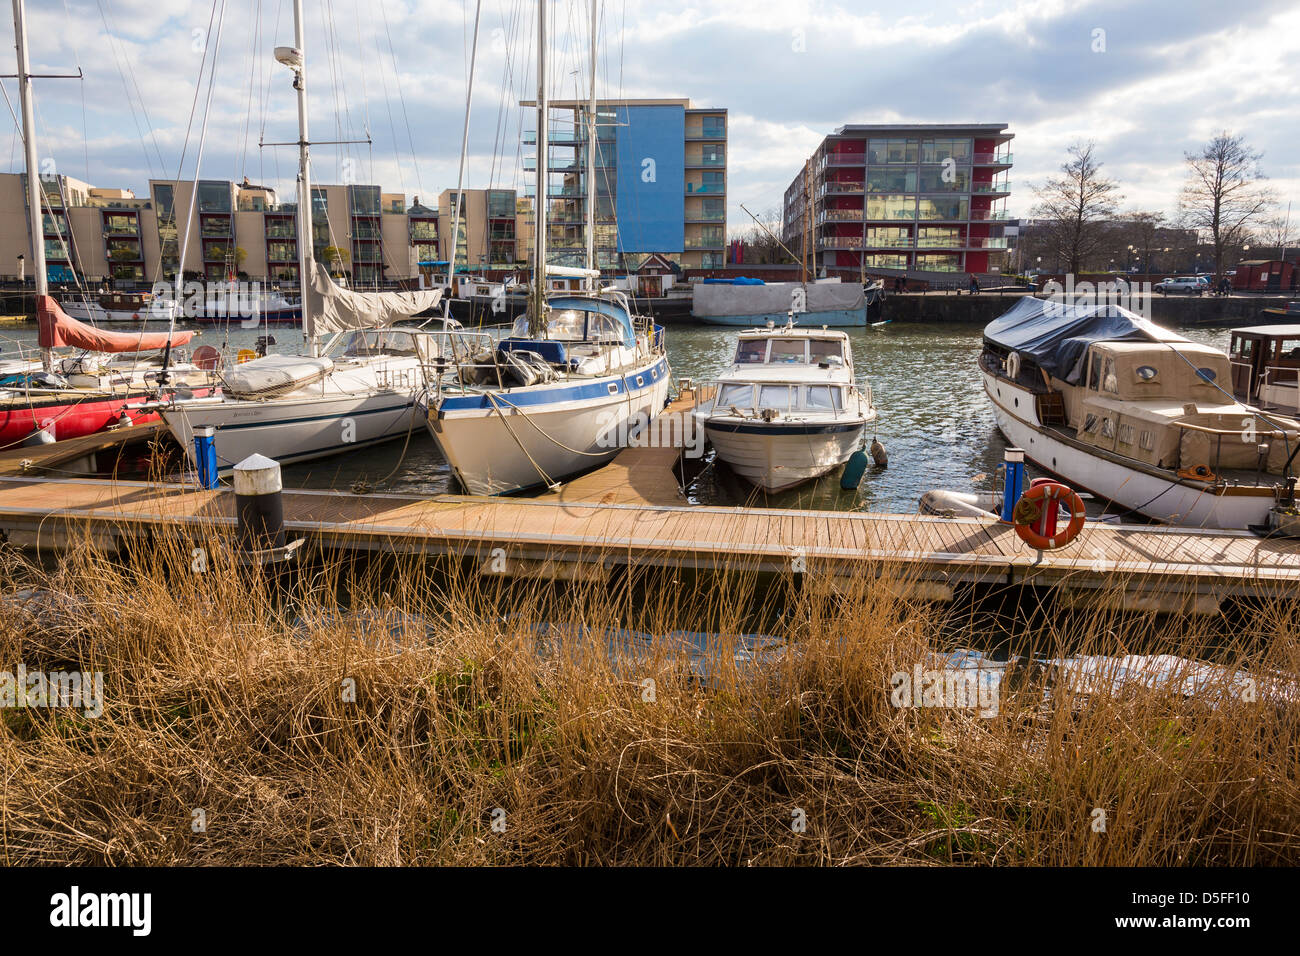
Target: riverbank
x=1171, y=310
x=386, y=712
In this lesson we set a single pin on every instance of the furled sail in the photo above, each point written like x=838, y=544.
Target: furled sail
x=336, y=309
x=57, y=329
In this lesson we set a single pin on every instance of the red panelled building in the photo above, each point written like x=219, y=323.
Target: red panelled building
x=893, y=198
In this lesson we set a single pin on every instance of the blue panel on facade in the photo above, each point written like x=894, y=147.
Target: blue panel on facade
x=650, y=158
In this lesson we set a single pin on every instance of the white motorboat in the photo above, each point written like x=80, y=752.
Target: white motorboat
x=1135, y=414
x=788, y=409
x=133, y=307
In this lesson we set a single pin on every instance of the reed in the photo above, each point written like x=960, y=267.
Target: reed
x=393, y=711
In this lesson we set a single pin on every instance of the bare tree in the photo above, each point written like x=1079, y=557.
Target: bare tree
x=1143, y=231
x=1077, y=206
x=1223, y=194
x=761, y=245
x=1278, y=234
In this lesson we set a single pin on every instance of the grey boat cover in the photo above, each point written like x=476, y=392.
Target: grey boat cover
x=774, y=297
x=1055, y=334
x=336, y=309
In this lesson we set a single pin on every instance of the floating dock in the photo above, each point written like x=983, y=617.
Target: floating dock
x=632, y=512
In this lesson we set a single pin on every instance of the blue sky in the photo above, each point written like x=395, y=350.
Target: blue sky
x=1147, y=81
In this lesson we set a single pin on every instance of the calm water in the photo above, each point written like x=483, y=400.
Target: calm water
x=934, y=420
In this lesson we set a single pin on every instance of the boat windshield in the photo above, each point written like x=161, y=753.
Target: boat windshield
x=751, y=352
x=782, y=398
x=573, y=325
x=788, y=351
x=386, y=341
x=822, y=349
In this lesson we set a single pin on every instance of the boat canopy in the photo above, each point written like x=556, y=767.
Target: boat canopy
x=1055, y=335
x=778, y=298
x=579, y=318
x=57, y=329
x=336, y=309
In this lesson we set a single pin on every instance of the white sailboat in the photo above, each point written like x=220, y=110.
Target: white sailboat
x=788, y=409
x=575, y=376
x=357, y=389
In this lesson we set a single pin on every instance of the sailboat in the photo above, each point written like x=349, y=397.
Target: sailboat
x=72, y=395
x=574, y=377
x=356, y=389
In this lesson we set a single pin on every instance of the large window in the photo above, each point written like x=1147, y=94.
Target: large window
x=943, y=207
x=938, y=237
x=945, y=179
x=163, y=194
x=713, y=126
x=891, y=207
x=886, y=179
x=364, y=200
x=214, y=197
x=939, y=261
x=889, y=237
x=886, y=261
x=501, y=204
x=892, y=151
x=937, y=150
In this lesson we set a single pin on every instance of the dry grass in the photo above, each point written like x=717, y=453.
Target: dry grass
x=226, y=693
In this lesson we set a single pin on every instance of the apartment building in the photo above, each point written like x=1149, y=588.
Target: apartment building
x=660, y=182
x=903, y=198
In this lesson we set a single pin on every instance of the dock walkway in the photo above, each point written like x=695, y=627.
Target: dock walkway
x=554, y=537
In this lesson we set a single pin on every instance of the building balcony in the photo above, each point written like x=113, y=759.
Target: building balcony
x=986, y=242
x=710, y=189
x=833, y=187
x=841, y=242
x=704, y=242
x=993, y=189
x=706, y=136
x=840, y=215
x=991, y=159
x=281, y=232
x=705, y=162
x=846, y=160
x=706, y=217
x=987, y=214
x=887, y=242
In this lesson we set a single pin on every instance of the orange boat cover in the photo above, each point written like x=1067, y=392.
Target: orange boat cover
x=58, y=328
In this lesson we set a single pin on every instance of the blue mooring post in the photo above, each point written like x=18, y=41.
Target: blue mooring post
x=205, y=457
x=1013, y=481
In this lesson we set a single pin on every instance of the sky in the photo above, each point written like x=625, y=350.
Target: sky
x=1147, y=81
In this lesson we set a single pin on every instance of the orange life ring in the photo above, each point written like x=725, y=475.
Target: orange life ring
x=1197, y=473
x=1029, y=509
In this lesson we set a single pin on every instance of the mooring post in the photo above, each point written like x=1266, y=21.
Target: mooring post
x=1013, y=481
x=259, y=504
x=205, y=456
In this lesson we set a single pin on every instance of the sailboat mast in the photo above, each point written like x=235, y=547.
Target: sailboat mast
x=459, y=201
x=591, y=159
x=305, y=253
x=34, y=198
x=538, y=318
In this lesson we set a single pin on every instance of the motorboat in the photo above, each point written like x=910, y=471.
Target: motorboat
x=1266, y=366
x=788, y=409
x=1142, y=418
x=120, y=307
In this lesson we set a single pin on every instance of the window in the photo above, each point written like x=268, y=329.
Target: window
x=214, y=197
x=943, y=207
x=776, y=397
x=751, y=352
x=1109, y=380
x=892, y=151
x=1094, y=371
x=891, y=207
x=824, y=398
x=741, y=396
x=162, y=198
x=944, y=179
x=886, y=179
x=820, y=349
x=788, y=351
x=364, y=200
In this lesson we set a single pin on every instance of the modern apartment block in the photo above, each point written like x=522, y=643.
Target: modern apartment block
x=914, y=197
x=661, y=182
x=234, y=229
x=487, y=233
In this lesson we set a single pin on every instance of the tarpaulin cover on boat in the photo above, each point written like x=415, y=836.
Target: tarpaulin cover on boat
x=775, y=297
x=1055, y=334
x=336, y=309
x=57, y=329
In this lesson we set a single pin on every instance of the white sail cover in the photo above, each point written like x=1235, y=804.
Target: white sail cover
x=774, y=297
x=336, y=309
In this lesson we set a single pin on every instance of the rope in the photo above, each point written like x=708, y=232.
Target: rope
x=550, y=482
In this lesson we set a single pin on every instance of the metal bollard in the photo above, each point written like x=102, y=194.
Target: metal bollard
x=205, y=457
x=1013, y=481
x=259, y=504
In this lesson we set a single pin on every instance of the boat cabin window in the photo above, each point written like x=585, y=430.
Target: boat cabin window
x=1101, y=374
x=1243, y=348
x=824, y=397
x=821, y=349
x=568, y=325
x=788, y=351
x=1289, y=349
x=774, y=396
x=751, y=352
x=741, y=396
x=387, y=342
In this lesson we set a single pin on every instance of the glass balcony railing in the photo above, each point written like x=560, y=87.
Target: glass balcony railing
x=840, y=242
x=835, y=186
x=982, y=214
x=992, y=159
x=841, y=215
x=712, y=189
x=888, y=242
x=704, y=242
x=706, y=161
x=1001, y=187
